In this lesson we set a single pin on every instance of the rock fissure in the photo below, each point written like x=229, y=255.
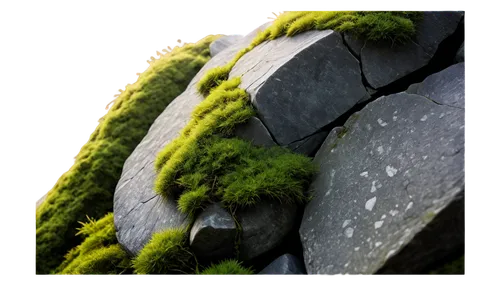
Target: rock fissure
x=351, y=51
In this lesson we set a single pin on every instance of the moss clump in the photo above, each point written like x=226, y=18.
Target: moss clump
x=166, y=253
x=453, y=267
x=99, y=253
x=227, y=267
x=203, y=166
x=88, y=187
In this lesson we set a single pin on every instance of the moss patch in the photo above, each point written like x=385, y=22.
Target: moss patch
x=227, y=267
x=166, y=253
x=88, y=187
x=99, y=253
x=202, y=166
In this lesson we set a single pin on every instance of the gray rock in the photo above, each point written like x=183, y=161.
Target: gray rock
x=213, y=234
x=139, y=212
x=263, y=227
x=254, y=131
x=354, y=43
x=445, y=87
x=396, y=170
x=285, y=264
x=384, y=62
x=309, y=145
x=300, y=84
x=223, y=42
x=460, y=57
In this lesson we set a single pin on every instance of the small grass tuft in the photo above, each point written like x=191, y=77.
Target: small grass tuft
x=99, y=253
x=166, y=253
x=230, y=267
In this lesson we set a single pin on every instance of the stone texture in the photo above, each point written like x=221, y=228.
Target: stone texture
x=446, y=87
x=264, y=227
x=213, y=234
x=285, y=264
x=385, y=62
x=222, y=43
x=460, y=57
x=388, y=193
x=300, y=84
x=309, y=145
x=139, y=212
x=254, y=131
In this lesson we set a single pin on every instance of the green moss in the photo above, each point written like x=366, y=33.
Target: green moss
x=99, y=253
x=88, y=187
x=166, y=253
x=227, y=267
x=454, y=267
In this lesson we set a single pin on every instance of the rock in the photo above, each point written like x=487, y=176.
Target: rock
x=460, y=57
x=446, y=87
x=254, y=131
x=384, y=62
x=223, y=42
x=139, y=212
x=41, y=200
x=213, y=234
x=263, y=227
x=300, y=84
x=285, y=264
x=309, y=145
x=388, y=193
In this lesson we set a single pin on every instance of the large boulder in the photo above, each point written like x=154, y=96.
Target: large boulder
x=389, y=194
x=300, y=84
x=222, y=43
x=385, y=61
x=139, y=211
x=285, y=264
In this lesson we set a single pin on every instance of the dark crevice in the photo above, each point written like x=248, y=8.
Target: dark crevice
x=365, y=82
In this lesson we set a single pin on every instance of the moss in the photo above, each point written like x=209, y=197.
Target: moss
x=88, y=187
x=166, y=253
x=227, y=267
x=456, y=266
x=99, y=253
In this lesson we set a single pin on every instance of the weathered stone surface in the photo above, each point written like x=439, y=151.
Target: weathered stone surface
x=139, y=212
x=460, y=57
x=213, y=234
x=285, y=264
x=222, y=43
x=385, y=182
x=264, y=227
x=309, y=145
x=300, y=84
x=446, y=87
x=254, y=131
x=385, y=62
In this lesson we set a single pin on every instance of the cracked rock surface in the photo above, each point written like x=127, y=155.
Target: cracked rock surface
x=300, y=84
x=138, y=211
x=385, y=62
x=222, y=43
x=386, y=196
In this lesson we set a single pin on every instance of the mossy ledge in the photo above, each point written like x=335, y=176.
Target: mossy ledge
x=88, y=187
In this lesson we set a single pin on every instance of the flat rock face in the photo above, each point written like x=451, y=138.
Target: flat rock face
x=264, y=227
x=446, y=87
x=285, y=264
x=254, y=131
x=138, y=211
x=213, y=234
x=385, y=62
x=300, y=84
x=220, y=44
x=394, y=172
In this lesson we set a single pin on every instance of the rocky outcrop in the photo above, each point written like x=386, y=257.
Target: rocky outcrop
x=285, y=264
x=395, y=170
x=300, y=84
x=139, y=211
x=220, y=44
x=386, y=62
